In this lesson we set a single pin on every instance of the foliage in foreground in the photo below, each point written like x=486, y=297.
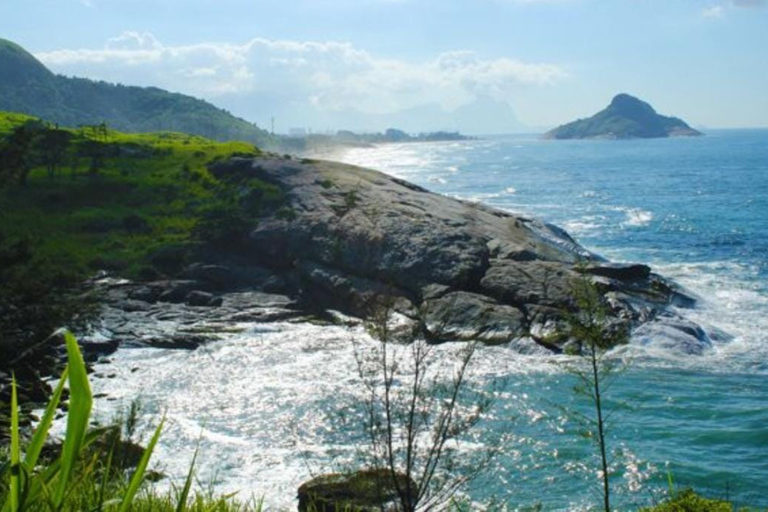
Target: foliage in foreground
x=418, y=414
x=595, y=335
x=84, y=476
x=689, y=501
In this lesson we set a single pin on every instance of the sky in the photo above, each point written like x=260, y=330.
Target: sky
x=478, y=65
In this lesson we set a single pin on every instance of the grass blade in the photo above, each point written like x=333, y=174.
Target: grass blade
x=105, y=477
x=41, y=432
x=15, y=450
x=182, y=504
x=80, y=403
x=138, y=475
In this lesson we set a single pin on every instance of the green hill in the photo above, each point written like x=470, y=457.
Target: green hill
x=27, y=86
x=625, y=118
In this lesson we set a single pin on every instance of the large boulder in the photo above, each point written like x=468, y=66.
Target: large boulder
x=347, y=235
x=372, y=490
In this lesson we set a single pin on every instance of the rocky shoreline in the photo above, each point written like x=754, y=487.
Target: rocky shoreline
x=345, y=238
x=348, y=236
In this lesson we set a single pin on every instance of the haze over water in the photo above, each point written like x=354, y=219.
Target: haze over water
x=267, y=401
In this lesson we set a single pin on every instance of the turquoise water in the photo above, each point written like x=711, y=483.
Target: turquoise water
x=697, y=211
x=264, y=404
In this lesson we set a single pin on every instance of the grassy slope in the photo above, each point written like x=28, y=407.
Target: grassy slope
x=158, y=181
x=10, y=120
x=143, y=215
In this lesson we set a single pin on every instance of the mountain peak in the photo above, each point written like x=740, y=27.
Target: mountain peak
x=627, y=101
x=28, y=87
x=19, y=67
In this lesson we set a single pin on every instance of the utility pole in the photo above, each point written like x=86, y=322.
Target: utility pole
x=273, y=126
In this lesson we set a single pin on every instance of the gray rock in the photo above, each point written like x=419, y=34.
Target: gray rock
x=621, y=271
x=543, y=283
x=235, y=277
x=199, y=298
x=177, y=291
x=362, y=491
x=468, y=316
x=465, y=270
x=672, y=333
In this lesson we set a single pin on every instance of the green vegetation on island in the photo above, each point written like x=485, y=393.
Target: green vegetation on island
x=625, y=118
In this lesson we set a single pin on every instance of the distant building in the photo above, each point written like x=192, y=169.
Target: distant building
x=297, y=132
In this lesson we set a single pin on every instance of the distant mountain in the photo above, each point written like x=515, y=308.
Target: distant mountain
x=481, y=116
x=27, y=86
x=625, y=118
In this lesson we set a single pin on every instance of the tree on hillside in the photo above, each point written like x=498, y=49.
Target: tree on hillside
x=96, y=152
x=18, y=153
x=53, y=144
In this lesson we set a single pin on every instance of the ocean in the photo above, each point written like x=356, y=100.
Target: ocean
x=265, y=403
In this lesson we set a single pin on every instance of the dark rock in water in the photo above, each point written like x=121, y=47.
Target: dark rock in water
x=672, y=333
x=215, y=275
x=199, y=298
x=235, y=277
x=177, y=291
x=95, y=348
x=148, y=294
x=179, y=341
x=362, y=491
x=620, y=271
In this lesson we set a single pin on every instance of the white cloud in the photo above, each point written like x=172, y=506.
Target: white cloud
x=715, y=11
x=718, y=11
x=329, y=76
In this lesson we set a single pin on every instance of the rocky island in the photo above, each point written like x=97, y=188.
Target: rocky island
x=626, y=117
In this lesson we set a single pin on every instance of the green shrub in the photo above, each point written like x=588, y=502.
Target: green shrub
x=689, y=501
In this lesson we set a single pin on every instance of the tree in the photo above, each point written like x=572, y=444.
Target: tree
x=17, y=153
x=53, y=144
x=418, y=410
x=95, y=151
x=595, y=335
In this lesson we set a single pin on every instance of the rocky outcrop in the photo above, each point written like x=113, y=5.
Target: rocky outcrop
x=363, y=491
x=346, y=237
x=459, y=270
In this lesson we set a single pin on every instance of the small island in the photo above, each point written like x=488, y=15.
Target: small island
x=626, y=117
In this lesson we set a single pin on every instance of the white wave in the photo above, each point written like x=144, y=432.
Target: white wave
x=264, y=402
x=636, y=217
x=510, y=190
x=585, y=225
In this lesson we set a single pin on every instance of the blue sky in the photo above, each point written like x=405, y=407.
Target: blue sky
x=330, y=63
